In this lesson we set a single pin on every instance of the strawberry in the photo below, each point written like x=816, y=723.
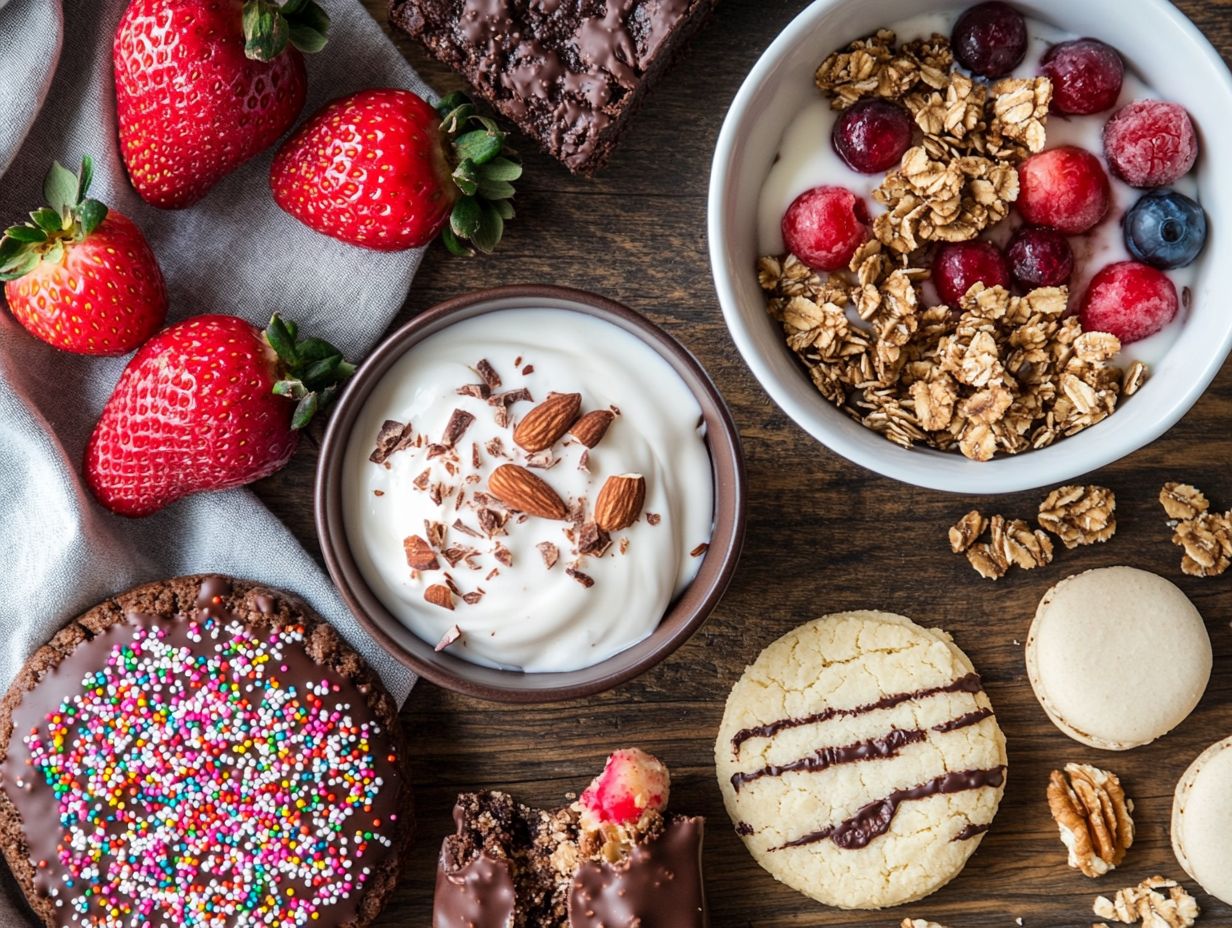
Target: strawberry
x=207, y=404
x=204, y=85
x=385, y=170
x=79, y=276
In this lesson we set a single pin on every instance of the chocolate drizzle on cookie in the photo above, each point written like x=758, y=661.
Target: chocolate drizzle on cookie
x=874, y=819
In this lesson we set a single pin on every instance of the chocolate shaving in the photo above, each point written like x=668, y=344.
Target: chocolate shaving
x=492, y=522
x=541, y=460
x=459, y=421
x=584, y=462
x=653, y=518
x=496, y=448
x=509, y=397
x=472, y=598
x=494, y=572
x=435, y=531
x=585, y=579
x=450, y=637
x=487, y=374
x=438, y=493
x=503, y=554
x=476, y=458
x=421, y=482
x=577, y=512
x=480, y=391
x=528, y=370
x=551, y=553
x=593, y=540
x=452, y=584
x=700, y=550
x=435, y=450
x=455, y=554
x=378, y=492
x=393, y=436
x=466, y=529
x=623, y=545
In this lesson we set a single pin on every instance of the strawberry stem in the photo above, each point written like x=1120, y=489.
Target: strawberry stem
x=485, y=168
x=311, y=371
x=69, y=217
x=269, y=27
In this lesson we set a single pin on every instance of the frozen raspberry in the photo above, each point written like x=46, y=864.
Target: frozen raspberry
x=1064, y=189
x=1129, y=300
x=872, y=135
x=1086, y=76
x=957, y=266
x=990, y=39
x=1040, y=257
x=1150, y=143
x=632, y=783
x=824, y=226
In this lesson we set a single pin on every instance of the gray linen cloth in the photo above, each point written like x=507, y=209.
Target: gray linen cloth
x=234, y=252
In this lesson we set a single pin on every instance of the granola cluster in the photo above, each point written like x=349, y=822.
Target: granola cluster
x=1094, y=817
x=998, y=374
x=1077, y=515
x=1155, y=902
x=1004, y=374
x=1205, y=536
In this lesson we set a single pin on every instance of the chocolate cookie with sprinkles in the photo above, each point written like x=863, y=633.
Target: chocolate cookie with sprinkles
x=202, y=752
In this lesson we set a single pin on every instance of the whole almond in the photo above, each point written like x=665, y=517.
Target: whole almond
x=519, y=489
x=419, y=554
x=620, y=502
x=543, y=426
x=439, y=595
x=591, y=428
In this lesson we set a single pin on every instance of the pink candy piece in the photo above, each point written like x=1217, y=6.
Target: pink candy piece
x=632, y=783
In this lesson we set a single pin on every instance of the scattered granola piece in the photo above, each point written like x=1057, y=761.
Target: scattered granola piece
x=1183, y=501
x=1017, y=544
x=449, y=637
x=1147, y=903
x=1135, y=376
x=1093, y=815
x=1079, y=515
x=987, y=561
x=1207, y=540
x=966, y=530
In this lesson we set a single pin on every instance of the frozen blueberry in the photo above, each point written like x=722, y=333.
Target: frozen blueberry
x=1165, y=229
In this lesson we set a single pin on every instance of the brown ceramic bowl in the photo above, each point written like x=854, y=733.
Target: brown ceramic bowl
x=684, y=616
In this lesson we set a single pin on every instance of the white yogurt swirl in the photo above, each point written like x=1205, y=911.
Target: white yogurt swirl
x=531, y=617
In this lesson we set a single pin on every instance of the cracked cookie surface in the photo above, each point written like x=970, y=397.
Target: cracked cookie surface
x=860, y=759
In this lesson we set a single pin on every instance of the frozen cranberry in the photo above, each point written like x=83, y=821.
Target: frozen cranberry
x=1064, y=189
x=1150, y=143
x=1130, y=300
x=1086, y=76
x=990, y=39
x=872, y=135
x=824, y=226
x=1040, y=257
x=958, y=266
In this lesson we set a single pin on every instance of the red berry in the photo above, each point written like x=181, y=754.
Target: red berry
x=632, y=783
x=990, y=39
x=824, y=226
x=1150, y=143
x=1129, y=300
x=872, y=135
x=193, y=101
x=1064, y=189
x=1040, y=257
x=958, y=266
x=1086, y=76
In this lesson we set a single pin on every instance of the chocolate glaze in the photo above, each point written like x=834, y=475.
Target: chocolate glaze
x=36, y=803
x=658, y=886
x=967, y=684
x=744, y=829
x=479, y=895
x=879, y=748
x=874, y=819
x=971, y=831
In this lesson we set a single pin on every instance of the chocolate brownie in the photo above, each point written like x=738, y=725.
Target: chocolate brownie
x=201, y=752
x=569, y=73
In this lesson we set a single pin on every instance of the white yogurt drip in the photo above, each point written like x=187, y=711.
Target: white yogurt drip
x=807, y=159
x=532, y=618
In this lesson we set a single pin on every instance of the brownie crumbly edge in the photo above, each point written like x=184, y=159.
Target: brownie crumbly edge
x=178, y=596
x=432, y=23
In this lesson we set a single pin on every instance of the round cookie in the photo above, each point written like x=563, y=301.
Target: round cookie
x=1202, y=820
x=202, y=751
x=1117, y=657
x=860, y=760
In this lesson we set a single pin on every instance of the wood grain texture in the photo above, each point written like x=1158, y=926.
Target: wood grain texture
x=824, y=535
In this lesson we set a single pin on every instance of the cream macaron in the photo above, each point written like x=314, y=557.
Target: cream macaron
x=1202, y=820
x=1117, y=657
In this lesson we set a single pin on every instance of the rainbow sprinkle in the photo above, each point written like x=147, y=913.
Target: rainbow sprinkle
x=196, y=786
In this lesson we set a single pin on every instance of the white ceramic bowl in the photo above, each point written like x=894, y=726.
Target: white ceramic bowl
x=1158, y=42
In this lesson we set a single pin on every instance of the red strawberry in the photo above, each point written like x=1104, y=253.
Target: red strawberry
x=384, y=170
x=207, y=404
x=203, y=85
x=78, y=276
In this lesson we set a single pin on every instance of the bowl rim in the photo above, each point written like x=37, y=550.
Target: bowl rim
x=911, y=466
x=686, y=613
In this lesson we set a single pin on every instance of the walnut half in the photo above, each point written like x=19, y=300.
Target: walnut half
x=1094, y=817
x=1148, y=903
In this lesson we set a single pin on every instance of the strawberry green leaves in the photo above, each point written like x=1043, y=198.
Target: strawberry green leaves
x=69, y=216
x=484, y=175
x=311, y=371
x=269, y=27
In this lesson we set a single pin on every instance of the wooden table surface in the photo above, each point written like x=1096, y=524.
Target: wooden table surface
x=824, y=535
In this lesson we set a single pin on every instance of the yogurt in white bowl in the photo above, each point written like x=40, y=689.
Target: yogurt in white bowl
x=778, y=109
